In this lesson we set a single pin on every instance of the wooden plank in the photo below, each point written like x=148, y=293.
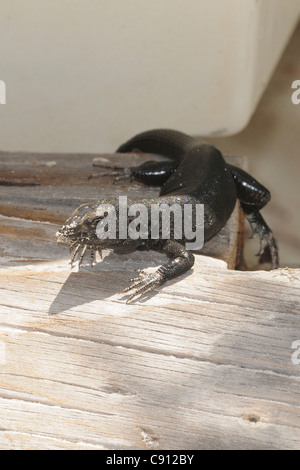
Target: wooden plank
x=208, y=365
x=205, y=362
x=48, y=187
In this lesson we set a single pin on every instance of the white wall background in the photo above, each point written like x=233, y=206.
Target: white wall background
x=84, y=75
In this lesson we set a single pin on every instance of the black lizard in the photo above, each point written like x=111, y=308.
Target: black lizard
x=196, y=174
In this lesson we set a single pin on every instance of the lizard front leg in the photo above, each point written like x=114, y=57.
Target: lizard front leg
x=181, y=260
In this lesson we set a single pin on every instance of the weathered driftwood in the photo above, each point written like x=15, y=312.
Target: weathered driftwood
x=205, y=362
x=48, y=187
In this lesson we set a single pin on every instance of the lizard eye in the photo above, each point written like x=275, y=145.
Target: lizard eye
x=95, y=221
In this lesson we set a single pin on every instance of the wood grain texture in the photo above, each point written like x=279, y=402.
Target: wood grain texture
x=206, y=362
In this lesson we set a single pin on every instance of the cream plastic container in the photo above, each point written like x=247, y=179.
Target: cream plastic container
x=87, y=75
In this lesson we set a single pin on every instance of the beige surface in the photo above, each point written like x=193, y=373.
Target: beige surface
x=272, y=145
x=84, y=75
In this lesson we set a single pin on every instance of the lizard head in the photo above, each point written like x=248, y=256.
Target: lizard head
x=81, y=229
x=83, y=224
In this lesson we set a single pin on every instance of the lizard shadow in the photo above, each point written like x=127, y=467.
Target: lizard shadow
x=106, y=280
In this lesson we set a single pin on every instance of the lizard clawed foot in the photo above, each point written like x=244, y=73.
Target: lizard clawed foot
x=144, y=284
x=268, y=250
x=77, y=247
x=181, y=261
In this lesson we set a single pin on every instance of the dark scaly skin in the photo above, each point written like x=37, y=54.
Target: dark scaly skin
x=197, y=174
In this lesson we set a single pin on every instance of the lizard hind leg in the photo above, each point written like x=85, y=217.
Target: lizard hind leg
x=268, y=246
x=253, y=197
